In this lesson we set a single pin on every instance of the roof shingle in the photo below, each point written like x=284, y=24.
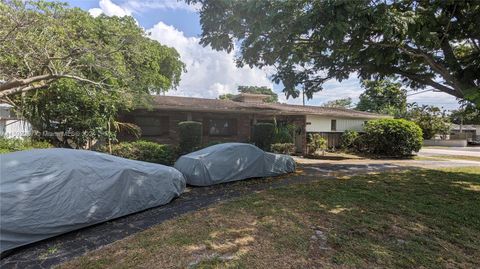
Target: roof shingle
x=214, y=105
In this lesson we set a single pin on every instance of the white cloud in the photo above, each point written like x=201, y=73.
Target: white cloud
x=138, y=6
x=438, y=99
x=209, y=72
x=95, y=12
x=110, y=9
x=126, y=8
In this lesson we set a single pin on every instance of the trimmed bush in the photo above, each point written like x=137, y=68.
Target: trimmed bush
x=315, y=143
x=393, y=137
x=348, y=139
x=263, y=135
x=283, y=148
x=145, y=151
x=284, y=134
x=17, y=144
x=190, y=134
x=360, y=144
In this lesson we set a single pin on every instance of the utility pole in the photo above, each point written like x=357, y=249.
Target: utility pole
x=303, y=95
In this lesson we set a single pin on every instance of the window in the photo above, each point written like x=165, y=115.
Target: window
x=333, y=125
x=222, y=127
x=152, y=126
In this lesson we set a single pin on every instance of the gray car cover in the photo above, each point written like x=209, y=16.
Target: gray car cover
x=47, y=192
x=230, y=162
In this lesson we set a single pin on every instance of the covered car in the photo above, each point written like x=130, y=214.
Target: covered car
x=47, y=192
x=230, y=162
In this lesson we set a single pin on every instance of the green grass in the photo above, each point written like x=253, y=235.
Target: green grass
x=413, y=219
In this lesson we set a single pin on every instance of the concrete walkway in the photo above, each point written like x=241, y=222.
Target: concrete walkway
x=51, y=252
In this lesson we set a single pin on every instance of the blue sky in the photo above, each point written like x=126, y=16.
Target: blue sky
x=210, y=73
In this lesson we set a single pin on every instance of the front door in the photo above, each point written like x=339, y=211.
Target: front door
x=299, y=138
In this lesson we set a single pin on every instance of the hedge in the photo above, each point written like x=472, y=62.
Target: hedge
x=190, y=134
x=263, y=135
x=17, y=144
x=283, y=148
x=392, y=137
x=145, y=151
x=284, y=134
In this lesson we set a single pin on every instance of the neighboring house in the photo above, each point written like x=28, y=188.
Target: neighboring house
x=466, y=131
x=11, y=126
x=232, y=120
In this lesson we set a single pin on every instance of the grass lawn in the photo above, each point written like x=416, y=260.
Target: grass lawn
x=413, y=219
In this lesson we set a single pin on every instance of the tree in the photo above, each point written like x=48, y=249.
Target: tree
x=42, y=42
x=466, y=114
x=424, y=43
x=67, y=117
x=340, y=103
x=255, y=90
x=227, y=96
x=431, y=119
x=384, y=97
x=71, y=73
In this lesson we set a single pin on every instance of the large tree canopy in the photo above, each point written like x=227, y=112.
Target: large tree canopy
x=424, y=43
x=42, y=42
x=69, y=73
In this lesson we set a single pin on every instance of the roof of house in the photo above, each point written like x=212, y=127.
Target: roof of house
x=465, y=127
x=216, y=105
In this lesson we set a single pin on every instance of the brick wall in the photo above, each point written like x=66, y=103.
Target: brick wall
x=243, y=126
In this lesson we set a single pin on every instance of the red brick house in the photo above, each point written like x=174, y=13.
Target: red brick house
x=232, y=120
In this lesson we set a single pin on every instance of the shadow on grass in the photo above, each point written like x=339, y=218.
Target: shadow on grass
x=420, y=217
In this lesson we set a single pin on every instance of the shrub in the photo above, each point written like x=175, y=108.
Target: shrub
x=315, y=143
x=348, y=138
x=263, y=135
x=283, y=148
x=145, y=151
x=393, y=137
x=190, y=134
x=284, y=134
x=17, y=144
x=360, y=144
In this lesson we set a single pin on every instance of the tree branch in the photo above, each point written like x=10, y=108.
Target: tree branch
x=23, y=85
x=429, y=82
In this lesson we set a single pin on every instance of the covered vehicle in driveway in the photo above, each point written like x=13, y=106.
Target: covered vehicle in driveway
x=230, y=162
x=47, y=192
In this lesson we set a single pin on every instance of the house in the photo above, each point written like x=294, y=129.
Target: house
x=466, y=131
x=232, y=120
x=12, y=126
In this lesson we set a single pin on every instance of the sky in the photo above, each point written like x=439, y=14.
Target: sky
x=211, y=73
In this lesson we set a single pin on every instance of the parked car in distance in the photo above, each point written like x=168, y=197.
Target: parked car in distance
x=47, y=192
x=230, y=162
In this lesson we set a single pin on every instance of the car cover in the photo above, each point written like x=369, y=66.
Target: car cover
x=47, y=192
x=230, y=162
